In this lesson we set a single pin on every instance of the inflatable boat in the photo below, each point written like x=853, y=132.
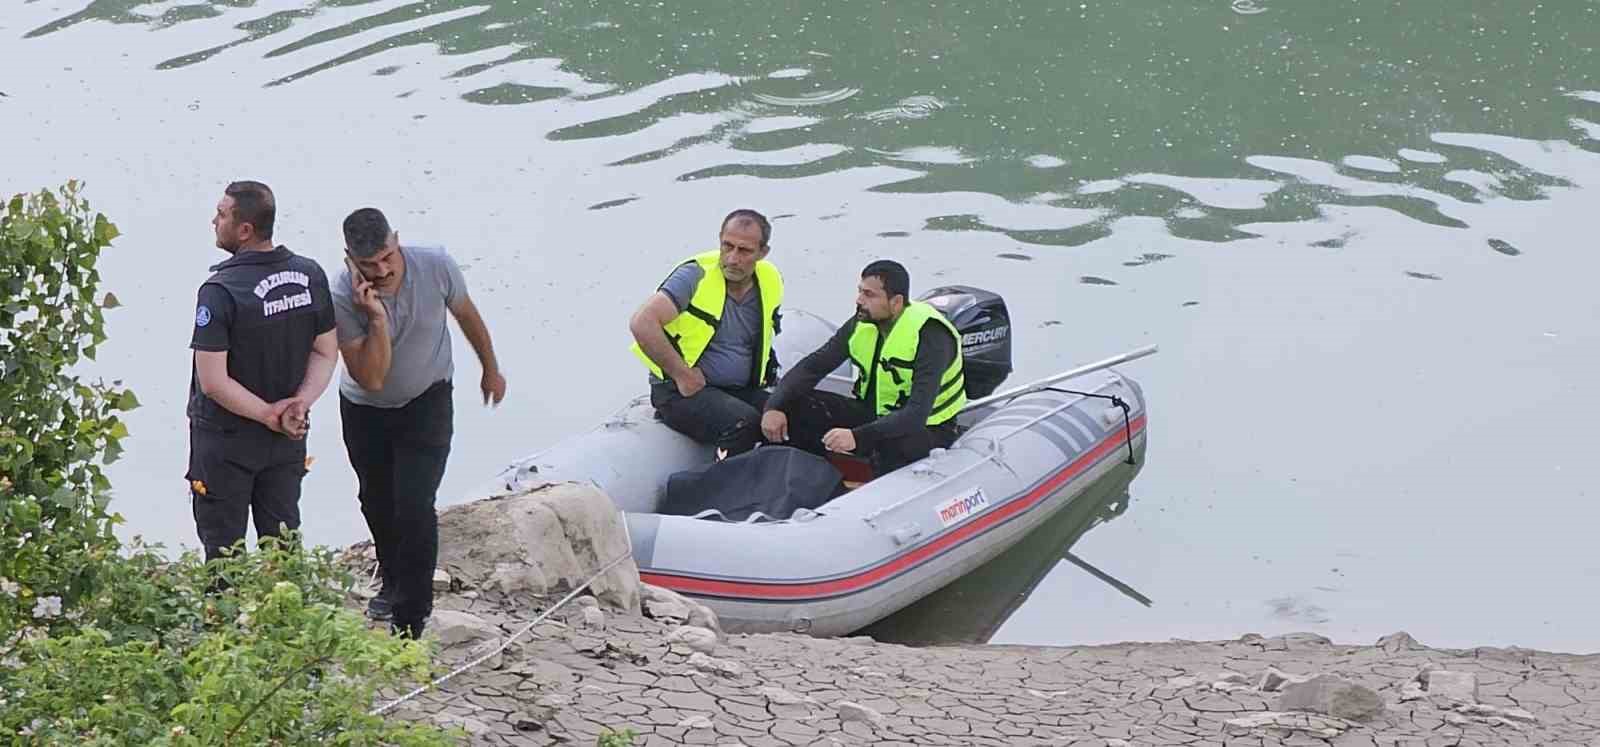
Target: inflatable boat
x=1023, y=456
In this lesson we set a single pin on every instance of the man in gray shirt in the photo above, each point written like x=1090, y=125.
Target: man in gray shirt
x=706, y=337
x=395, y=399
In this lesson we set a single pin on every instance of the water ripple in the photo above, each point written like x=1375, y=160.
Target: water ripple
x=1421, y=156
x=801, y=160
x=1247, y=7
x=1371, y=163
x=819, y=98
x=1310, y=171
x=255, y=30
x=513, y=93
x=928, y=154
x=1231, y=194
x=764, y=125
x=418, y=24
x=660, y=84
x=909, y=108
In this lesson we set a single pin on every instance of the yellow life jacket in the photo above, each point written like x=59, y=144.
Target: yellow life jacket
x=885, y=366
x=690, y=332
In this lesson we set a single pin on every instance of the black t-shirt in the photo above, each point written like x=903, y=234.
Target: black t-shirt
x=265, y=309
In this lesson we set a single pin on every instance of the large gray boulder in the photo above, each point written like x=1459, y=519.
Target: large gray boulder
x=455, y=627
x=1331, y=696
x=1274, y=680
x=693, y=637
x=1283, y=725
x=672, y=608
x=543, y=541
x=1399, y=642
x=1460, y=687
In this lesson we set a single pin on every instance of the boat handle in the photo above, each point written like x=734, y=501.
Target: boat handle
x=906, y=534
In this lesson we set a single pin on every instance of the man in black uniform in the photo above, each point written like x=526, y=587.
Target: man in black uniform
x=264, y=350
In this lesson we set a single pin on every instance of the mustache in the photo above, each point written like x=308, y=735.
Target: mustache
x=861, y=312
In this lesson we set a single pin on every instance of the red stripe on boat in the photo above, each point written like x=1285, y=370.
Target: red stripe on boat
x=846, y=584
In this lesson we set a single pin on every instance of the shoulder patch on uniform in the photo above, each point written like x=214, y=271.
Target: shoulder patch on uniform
x=202, y=316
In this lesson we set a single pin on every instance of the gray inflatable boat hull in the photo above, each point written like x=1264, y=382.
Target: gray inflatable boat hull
x=879, y=547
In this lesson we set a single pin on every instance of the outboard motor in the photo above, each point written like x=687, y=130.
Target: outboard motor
x=985, y=326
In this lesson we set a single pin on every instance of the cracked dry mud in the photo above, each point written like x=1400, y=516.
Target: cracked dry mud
x=570, y=679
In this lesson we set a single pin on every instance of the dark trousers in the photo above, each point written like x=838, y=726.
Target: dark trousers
x=813, y=414
x=728, y=419
x=399, y=457
x=236, y=472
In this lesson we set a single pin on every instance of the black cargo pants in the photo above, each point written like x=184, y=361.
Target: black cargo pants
x=399, y=458
x=729, y=419
x=234, y=472
x=812, y=414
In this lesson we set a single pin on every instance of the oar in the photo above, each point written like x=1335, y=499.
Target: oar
x=1063, y=376
x=1131, y=592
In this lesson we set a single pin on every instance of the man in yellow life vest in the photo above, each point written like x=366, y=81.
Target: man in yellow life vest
x=706, y=336
x=908, y=387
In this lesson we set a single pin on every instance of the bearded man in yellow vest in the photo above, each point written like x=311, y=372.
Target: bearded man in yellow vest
x=908, y=387
x=706, y=337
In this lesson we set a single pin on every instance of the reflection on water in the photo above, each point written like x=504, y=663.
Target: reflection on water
x=1211, y=116
x=1360, y=232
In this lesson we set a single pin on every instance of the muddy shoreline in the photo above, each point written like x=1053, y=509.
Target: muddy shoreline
x=589, y=669
x=633, y=656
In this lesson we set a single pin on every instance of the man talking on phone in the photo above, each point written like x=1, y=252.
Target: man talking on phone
x=395, y=399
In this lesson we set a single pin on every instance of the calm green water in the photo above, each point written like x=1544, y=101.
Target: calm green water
x=1361, y=232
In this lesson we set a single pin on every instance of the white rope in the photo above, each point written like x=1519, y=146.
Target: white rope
x=379, y=711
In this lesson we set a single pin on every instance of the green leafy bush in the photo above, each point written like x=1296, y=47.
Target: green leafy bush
x=160, y=659
x=612, y=738
x=55, y=431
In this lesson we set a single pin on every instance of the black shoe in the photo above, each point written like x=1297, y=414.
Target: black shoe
x=381, y=607
x=409, y=631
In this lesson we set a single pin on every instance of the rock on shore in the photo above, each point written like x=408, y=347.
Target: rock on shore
x=539, y=543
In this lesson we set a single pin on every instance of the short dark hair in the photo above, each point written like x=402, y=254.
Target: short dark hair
x=253, y=203
x=743, y=215
x=366, y=232
x=896, y=281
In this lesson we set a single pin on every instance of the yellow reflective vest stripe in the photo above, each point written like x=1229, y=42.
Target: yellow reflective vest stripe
x=886, y=368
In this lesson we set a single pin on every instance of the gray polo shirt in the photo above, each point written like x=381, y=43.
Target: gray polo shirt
x=417, y=333
x=729, y=356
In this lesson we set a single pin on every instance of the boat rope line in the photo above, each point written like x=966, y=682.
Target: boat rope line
x=1127, y=420
x=391, y=705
